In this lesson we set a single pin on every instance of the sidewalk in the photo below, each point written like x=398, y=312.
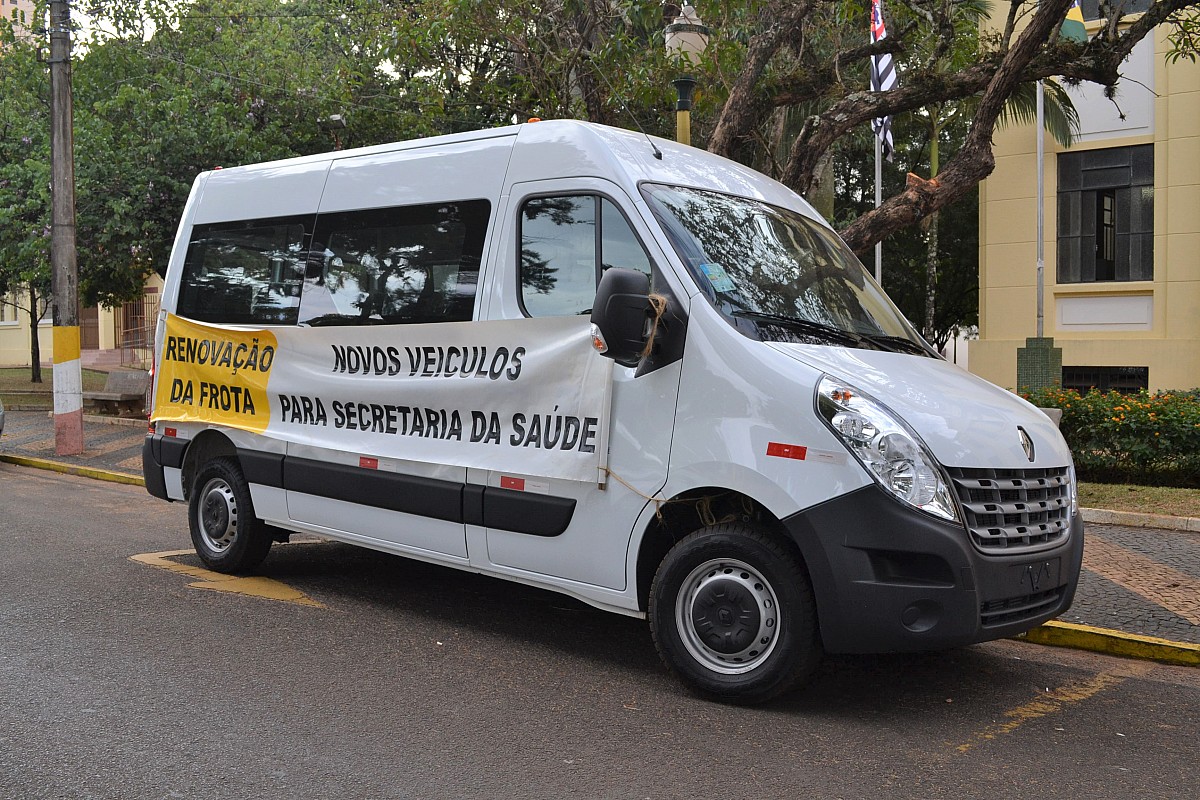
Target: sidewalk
x=1139, y=594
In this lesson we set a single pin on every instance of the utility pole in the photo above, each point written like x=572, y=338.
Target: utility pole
x=68, y=375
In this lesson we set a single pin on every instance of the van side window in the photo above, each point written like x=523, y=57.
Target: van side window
x=566, y=243
x=395, y=265
x=244, y=273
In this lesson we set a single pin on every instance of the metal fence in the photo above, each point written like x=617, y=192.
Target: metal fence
x=135, y=331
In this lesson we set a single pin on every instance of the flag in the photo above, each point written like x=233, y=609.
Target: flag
x=1072, y=28
x=883, y=77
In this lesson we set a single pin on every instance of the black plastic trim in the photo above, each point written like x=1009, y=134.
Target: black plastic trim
x=152, y=470
x=262, y=468
x=891, y=579
x=409, y=494
x=171, y=450
x=522, y=512
x=471, y=504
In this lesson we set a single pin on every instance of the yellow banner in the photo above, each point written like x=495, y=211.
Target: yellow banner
x=217, y=375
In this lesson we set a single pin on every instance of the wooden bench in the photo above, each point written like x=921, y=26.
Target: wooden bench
x=124, y=391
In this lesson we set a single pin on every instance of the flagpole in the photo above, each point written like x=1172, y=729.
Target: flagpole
x=878, y=202
x=1041, y=210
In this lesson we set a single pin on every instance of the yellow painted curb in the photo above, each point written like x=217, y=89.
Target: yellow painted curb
x=251, y=586
x=1115, y=643
x=74, y=469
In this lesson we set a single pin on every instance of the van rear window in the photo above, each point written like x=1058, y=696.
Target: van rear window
x=244, y=273
x=378, y=266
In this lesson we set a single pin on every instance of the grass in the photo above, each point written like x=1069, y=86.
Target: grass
x=1141, y=499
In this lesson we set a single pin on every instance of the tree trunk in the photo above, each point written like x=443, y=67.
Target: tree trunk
x=35, y=346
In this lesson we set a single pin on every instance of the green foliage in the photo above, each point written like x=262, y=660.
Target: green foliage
x=1184, y=35
x=24, y=174
x=167, y=90
x=1150, y=439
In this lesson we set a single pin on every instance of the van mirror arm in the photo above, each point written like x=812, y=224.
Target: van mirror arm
x=620, y=314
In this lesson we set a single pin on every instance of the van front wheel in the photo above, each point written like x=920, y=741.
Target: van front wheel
x=732, y=614
x=226, y=534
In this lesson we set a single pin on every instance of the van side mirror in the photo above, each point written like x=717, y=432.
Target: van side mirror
x=619, y=315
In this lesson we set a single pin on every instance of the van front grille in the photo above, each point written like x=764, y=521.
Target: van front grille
x=1017, y=609
x=1011, y=512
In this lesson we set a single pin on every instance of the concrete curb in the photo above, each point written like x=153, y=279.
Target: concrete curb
x=1114, y=643
x=74, y=469
x=1135, y=520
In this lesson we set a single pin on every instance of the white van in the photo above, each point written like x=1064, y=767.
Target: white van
x=608, y=365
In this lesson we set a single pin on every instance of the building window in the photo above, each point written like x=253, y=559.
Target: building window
x=1091, y=8
x=1106, y=215
x=8, y=307
x=1126, y=380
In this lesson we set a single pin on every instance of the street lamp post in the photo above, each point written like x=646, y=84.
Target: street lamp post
x=686, y=39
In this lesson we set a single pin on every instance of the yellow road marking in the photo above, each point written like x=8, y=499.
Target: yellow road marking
x=253, y=586
x=1169, y=588
x=1055, y=701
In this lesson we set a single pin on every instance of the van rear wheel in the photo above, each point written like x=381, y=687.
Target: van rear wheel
x=226, y=534
x=733, y=616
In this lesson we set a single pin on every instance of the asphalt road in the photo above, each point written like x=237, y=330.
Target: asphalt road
x=119, y=680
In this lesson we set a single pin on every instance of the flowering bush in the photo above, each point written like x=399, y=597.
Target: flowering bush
x=1151, y=439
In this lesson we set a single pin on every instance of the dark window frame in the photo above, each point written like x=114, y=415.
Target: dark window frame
x=598, y=237
x=1126, y=380
x=1093, y=248
x=475, y=213
x=201, y=232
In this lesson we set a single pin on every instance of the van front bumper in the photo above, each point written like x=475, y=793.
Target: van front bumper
x=891, y=579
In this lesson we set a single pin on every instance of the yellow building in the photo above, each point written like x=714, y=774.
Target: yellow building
x=1122, y=235
x=19, y=12
x=108, y=336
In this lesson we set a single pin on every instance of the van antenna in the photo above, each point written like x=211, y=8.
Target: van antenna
x=620, y=99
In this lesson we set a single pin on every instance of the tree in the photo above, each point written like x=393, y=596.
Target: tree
x=167, y=90
x=1026, y=50
x=24, y=186
x=178, y=87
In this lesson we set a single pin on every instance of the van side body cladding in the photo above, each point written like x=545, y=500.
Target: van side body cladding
x=490, y=506
x=410, y=494
x=888, y=579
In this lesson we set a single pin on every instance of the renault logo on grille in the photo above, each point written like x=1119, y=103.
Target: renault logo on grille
x=1026, y=442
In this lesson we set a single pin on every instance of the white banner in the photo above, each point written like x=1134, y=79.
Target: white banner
x=528, y=396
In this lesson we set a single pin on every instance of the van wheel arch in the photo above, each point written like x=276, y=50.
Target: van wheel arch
x=691, y=511
x=206, y=447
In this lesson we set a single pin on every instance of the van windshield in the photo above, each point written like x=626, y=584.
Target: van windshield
x=777, y=275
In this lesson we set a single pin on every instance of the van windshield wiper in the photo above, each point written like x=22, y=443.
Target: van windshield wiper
x=814, y=329
x=834, y=335
x=896, y=344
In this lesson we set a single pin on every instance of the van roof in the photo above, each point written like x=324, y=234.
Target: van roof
x=551, y=149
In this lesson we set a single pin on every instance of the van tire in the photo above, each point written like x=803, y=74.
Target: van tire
x=733, y=616
x=226, y=534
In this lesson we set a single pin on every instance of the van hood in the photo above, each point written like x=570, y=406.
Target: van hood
x=965, y=421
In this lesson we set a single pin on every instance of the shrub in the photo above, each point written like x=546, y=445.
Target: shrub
x=1151, y=439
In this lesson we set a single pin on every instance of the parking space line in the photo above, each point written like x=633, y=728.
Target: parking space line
x=252, y=586
x=1055, y=701
x=1164, y=586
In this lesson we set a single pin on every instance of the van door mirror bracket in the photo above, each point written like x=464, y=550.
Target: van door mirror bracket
x=621, y=313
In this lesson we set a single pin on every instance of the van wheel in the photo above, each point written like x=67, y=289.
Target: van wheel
x=733, y=616
x=226, y=534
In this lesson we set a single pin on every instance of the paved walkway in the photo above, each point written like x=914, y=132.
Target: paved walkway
x=1140, y=584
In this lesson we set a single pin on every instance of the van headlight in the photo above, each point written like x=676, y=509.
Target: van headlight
x=890, y=451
